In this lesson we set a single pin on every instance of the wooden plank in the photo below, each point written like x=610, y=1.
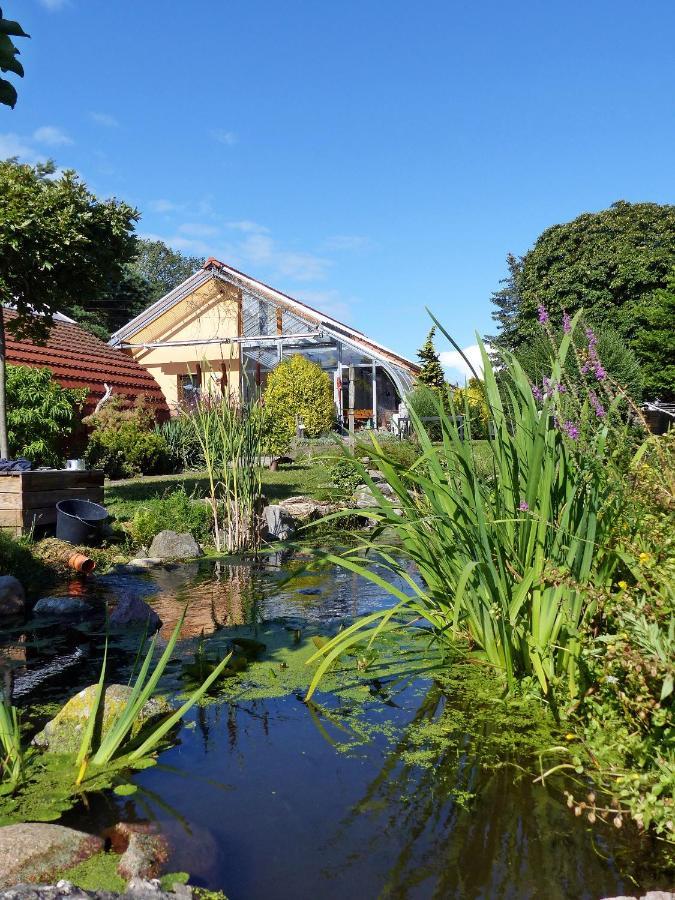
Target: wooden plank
x=33, y=499
x=60, y=480
x=10, y=484
x=36, y=499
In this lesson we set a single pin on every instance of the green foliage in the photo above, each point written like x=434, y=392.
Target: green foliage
x=11, y=753
x=618, y=360
x=231, y=439
x=297, y=388
x=344, y=475
x=184, y=452
x=123, y=441
x=8, y=58
x=162, y=268
x=655, y=342
x=506, y=563
x=614, y=263
x=41, y=414
x=177, y=511
x=473, y=398
x=431, y=373
x=57, y=240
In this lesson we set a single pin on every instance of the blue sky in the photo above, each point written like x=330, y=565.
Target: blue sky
x=370, y=158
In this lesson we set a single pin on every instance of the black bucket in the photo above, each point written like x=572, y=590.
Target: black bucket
x=79, y=521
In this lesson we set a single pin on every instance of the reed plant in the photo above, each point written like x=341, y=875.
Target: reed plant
x=11, y=758
x=231, y=437
x=118, y=738
x=507, y=561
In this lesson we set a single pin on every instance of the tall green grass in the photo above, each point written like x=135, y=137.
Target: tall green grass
x=508, y=561
x=11, y=753
x=231, y=437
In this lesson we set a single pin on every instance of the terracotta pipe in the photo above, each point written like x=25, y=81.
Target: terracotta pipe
x=81, y=563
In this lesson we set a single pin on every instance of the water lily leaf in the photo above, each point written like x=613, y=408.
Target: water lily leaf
x=125, y=790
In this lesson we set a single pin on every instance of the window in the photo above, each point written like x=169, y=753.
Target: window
x=189, y=389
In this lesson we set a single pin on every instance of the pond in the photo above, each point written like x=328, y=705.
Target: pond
x=403, y=784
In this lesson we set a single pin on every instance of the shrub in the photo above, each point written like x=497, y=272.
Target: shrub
x=176, y=511
x=345, y=475
x=123, y=441
x=184, y=452
x=41, y=414
x=297, y=387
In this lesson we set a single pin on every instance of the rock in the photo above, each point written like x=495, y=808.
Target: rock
x=304, y=509
x=364, y=497
x=278, y=523
x=171, y=545
x=63, y=733
x=33, y=851
x=132, y=610
x=137, y=889
x=12, y=596
x=144, y=851
x=146, y=562
x=63, y=607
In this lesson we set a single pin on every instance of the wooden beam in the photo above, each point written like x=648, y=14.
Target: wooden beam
x=374, y=386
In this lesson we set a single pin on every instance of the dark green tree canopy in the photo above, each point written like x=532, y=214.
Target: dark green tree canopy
x=655, y=342
x=431, y=372
x=59, y=244
x=163, y=268
x=614, y=264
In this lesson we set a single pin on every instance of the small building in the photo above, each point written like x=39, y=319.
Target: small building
x=77, y=359
x=223, y=331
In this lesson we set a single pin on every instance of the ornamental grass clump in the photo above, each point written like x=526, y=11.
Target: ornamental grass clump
x=509, y=562
x=11, y=753
x=231, y=437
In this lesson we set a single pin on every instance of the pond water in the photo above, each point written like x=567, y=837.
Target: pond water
x=265, y=796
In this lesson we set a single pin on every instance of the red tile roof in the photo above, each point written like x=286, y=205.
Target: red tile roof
x=80, y=360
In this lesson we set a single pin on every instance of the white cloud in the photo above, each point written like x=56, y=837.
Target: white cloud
x=163, y=206
x=229, y=138
x=52, y=136
x=13, y=145
x=198, y=229
x=247, y=226
x=452, y=360
x=346, y=242
x=261, y=249
x=104, y=119
x=54, y=5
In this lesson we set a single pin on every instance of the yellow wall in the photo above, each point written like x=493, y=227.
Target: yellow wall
x=210, y=312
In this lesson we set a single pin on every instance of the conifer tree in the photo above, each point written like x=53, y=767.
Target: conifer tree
x=432, y=371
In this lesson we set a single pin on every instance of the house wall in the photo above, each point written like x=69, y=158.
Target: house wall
x=213, y=311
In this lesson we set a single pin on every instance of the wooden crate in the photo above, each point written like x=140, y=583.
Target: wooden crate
x=28, y=499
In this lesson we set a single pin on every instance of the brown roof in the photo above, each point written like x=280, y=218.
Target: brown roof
x=79, y=360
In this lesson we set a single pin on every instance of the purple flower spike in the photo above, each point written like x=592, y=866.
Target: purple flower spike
x=538, y=396
x=567, y=324
x=596, y=404
x=571, y=430
x=543, y=315
x=523, y=506
x=560, y=388
x=592, y=339
x=600, y=373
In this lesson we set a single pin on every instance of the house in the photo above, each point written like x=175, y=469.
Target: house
x=77, y=359
x=223, y=331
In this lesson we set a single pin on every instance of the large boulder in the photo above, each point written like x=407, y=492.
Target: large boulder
x=144, y=850
x=63, y=607
x=304, y=509
x=171, y=545
x=63, y=734
x=34, y=851
x=278, y=523
x=12, y=596
x=132, y=611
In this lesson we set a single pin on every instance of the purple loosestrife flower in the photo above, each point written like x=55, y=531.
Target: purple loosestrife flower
x=560, y=388
x=596, y=404
x=543, y=315
x=592, y=339
x=600, y=373
x=536, y=391
x=571, y=430
x=523, y=506
x=567, y=323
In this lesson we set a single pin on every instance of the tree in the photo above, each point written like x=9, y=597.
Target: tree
x=57, y=242
x=507, y=301
x=297, y=387
x=431, y=372
x=163, y=268
x=8, y=59
x=614, y=264
x=655, y=343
